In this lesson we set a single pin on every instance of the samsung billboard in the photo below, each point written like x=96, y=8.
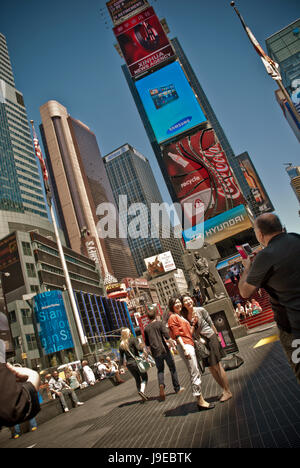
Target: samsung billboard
x=52, y=322
x=169, y=101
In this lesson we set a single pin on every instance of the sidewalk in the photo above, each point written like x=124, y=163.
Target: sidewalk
x=265, y=411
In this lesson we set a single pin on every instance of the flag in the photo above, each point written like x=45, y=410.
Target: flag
x=39, y=154
x=271, y=66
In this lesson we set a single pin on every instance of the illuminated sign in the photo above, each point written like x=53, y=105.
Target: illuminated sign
x=120, y=9
x=201, y=176
x=220, y=227
x=143, y=42
x=52, y=322
x=169, y=101
x=160, y=264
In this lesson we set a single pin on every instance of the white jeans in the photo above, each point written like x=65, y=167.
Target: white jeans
x=193, y=369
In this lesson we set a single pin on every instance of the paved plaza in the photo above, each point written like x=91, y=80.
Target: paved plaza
x=264, y=412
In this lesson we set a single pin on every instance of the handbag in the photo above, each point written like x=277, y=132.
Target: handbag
x=142, y=364
x=201, y=350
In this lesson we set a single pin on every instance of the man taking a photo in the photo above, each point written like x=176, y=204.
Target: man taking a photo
x=277, y=269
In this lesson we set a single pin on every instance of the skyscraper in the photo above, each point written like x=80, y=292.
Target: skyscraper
x=294, y=175
x=79, y=183
x=22, y=203
x=284, y=48
x=130, y=175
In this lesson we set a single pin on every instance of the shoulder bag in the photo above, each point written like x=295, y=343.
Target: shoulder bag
x=142, y=364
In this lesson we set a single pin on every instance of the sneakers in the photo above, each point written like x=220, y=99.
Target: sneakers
x=66, y=410
x=80, y=403
x=33, y=429
x=16, y=436
x=180, y=390
x=162, y=394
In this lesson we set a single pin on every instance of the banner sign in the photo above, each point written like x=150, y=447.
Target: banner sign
x=254, y=182
x=160, y=264
x=120, y=9
x=170, y=102
x=52, y=322
x=143, y=42
x=201, y=176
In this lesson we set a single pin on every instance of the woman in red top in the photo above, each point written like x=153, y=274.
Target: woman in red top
x=180, y=331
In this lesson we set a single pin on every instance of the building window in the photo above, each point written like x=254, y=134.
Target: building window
x=34, y=288
x=31, y=342
x=26, y=316
x=12, y=316
x=30, y=270
x=26, y=248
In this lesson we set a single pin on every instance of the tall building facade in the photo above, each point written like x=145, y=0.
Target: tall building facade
x=80, y=185
x=284, y=48
x=22, y=203
x=130, y=175
x=294, y=175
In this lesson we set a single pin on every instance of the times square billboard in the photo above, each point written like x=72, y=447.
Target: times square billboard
x=143, y=42
x=170, y=102
x=121, y=9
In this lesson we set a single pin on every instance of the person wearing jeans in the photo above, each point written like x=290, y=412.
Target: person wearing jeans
x=59, y=387
x=156, y=338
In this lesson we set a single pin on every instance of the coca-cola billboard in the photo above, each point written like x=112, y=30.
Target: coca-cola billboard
x=201, y=176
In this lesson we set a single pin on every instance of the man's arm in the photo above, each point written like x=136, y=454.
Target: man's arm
x=246, y=289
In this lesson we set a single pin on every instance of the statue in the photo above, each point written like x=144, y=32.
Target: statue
x=205, y=278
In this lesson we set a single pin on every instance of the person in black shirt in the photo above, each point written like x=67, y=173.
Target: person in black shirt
x=129, y=350
x=156, y=337
x=277, y=269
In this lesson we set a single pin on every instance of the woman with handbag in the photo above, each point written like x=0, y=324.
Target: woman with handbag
x=129, y=349
x=202, y=326
x=180, y=331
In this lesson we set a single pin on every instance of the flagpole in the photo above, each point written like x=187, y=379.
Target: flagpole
x=83, y=338
x=268, y=62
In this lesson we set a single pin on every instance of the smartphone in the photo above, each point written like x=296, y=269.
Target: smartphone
x=244, y=250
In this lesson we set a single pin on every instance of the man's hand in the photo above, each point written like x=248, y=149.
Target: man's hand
x=23, y=374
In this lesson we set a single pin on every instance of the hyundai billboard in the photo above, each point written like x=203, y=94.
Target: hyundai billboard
x=169, y=101
x=52, y=322
x=143, y=42
x=201, y=176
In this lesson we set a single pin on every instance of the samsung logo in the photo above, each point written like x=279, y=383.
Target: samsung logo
x=179, y=125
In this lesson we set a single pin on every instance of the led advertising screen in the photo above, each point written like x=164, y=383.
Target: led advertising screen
x=253, y=180
x=160, y=264
x=143, y=42
x=201, y=177
x=220, y=227
x=169, y=101
x=52, y=322
x=120, y=9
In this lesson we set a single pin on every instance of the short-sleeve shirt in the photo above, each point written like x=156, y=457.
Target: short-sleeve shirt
x=155, y=336
x=277, y=269
x=178, y=326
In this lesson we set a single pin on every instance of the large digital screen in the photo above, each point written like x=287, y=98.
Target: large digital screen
x=120, y=9
x=52, y=322
x=255, y=184
x=169, y=101
x=201, y=177
x=220, y=227
x=143, y=42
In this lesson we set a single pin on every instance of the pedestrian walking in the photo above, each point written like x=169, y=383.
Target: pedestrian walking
x=129, y=351
x=276, y=268
x=60, y=388
x=203, y=327
x=180, y=330
x=16, y=430
x=157, y=339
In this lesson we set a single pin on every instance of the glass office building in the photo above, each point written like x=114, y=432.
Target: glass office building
x=130, y=174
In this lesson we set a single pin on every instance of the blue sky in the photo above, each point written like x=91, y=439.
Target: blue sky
x=63, y=50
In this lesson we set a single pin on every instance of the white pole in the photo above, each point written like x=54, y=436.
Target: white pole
x=83, y=338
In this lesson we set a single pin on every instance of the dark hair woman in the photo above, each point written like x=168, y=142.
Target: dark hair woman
x=180, y=331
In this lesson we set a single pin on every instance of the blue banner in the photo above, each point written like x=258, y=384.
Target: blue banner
x=53, y=326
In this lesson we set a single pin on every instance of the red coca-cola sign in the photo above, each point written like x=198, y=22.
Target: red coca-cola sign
x=201, y=176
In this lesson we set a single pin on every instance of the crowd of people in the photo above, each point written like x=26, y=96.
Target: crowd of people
x=247, y=309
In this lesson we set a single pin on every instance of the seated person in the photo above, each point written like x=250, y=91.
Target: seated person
x=256, y=309
x=248, y=309
x=113, y=370
x=240, y=312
